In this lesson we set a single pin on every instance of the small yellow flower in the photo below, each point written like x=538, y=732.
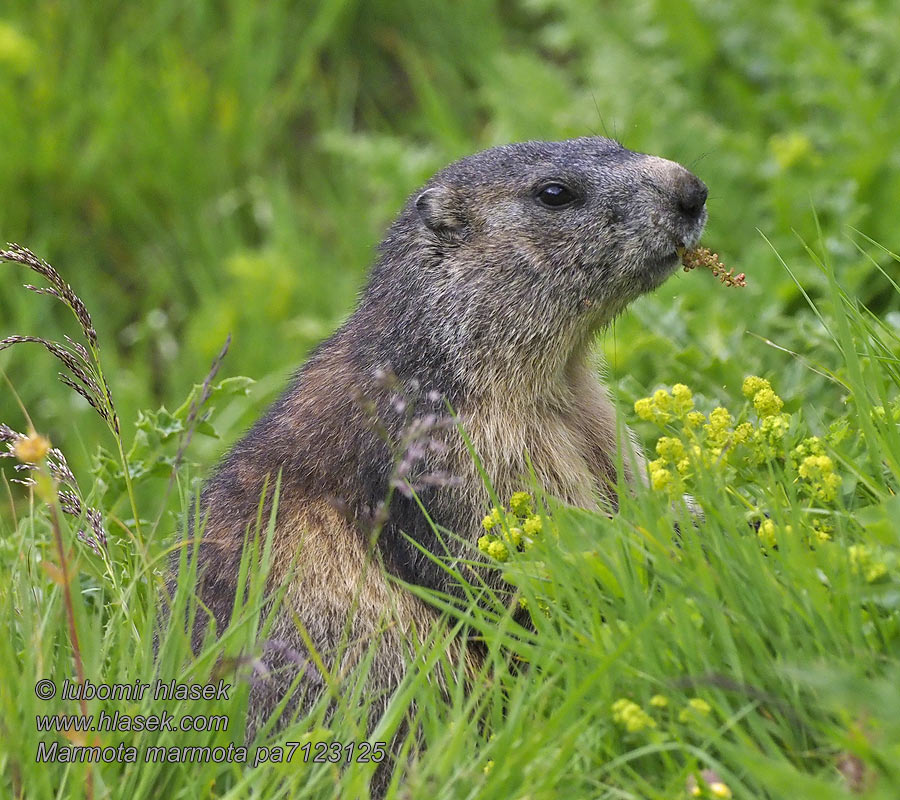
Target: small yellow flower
x=742, y=433
x=655, y=409
x=488, y=522
x=514, y=535
x=717, y=430
x=812, y=445
x=695, y=419
x=864, y=562
x=775, y=427
x=696, y=706
x=497, y=550
x=766, y=533
x=661, y=479
x=822, y=530
x=720, y=418
x=659, y=701
x=700, y=705
x=533, y=525
x=818, y=472
x=670, y=449
x=488, y=767
x=811, y=464
x=767, y=403
x=520, y=504
x=859, y=553
x=492, y=546
x=712, y=785
x=767, y=440
x=684, y=400
x=644, y=408
x=631, y=716
x=662, y=400
x=32, y=448
x=752, y=384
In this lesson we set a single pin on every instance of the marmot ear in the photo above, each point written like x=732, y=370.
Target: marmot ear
x=441, y=211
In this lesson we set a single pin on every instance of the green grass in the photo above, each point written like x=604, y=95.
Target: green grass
x=770, y=657
x=220, y=168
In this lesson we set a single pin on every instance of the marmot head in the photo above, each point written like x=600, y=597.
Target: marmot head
x=585, y=207
x=535, y=245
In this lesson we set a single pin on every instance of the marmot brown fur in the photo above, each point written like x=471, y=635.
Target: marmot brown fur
x=488, y=290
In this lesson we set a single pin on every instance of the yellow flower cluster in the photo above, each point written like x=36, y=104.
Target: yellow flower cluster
x=671, y=452
x=766, y=534
x=631, y=716
x=818, y=532
x=767, y=442
x=662, y=479
x=709, y=440
x=863, y=561
x=697, y=443
x=818, y=472
x=520, y=504
x=696, y=707
x=821, y=531
x=662, y=407
x=760, y=391
x=714, y=787
x=718, y=432
x=816, y=469
x=773, y=424
x=515, y=528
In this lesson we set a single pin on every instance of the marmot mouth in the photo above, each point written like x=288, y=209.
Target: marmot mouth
x=667, y=262
x=657, y=268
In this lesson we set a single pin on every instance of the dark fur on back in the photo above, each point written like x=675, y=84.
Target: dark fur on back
x=482, y=297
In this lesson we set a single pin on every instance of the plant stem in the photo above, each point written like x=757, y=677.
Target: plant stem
x=73, y=631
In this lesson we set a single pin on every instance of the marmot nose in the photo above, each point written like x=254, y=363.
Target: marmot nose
x=690, y=194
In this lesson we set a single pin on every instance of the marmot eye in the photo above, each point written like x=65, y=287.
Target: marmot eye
x=555, y=195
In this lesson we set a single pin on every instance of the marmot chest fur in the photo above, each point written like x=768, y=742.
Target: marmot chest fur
x=487, y=292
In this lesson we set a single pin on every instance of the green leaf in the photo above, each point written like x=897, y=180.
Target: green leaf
x=880, y=521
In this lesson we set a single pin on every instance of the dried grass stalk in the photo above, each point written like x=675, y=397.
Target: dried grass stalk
x=706, y=258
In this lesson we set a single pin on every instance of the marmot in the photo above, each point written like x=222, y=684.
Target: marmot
x=487, y=292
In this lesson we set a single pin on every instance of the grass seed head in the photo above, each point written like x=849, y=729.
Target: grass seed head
x=706, y=258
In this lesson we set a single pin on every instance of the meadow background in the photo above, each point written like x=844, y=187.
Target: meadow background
x=200, y=169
